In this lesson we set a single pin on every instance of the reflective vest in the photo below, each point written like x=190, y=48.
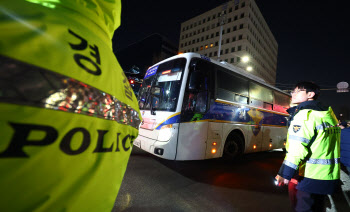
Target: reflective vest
x=68, y=115
x=313, y=147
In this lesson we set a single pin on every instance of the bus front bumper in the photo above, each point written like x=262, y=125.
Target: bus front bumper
x=155, y=147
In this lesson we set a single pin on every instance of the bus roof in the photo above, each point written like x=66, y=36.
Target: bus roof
x=223, y=64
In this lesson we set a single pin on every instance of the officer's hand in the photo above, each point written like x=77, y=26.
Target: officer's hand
x=280, y=181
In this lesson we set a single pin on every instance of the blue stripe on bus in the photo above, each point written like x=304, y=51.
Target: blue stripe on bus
x=171, y=120
x=235, y=113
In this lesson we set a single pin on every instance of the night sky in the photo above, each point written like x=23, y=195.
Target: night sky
x=312, y=37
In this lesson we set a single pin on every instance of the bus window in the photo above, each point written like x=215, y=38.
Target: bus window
x=200, y=72
x=201, y=104
x=230, y=96
x=225, y=95
x=161, y=86
x=282, y=99
x=256, y=103
x=241, y=99
x=232, y=83
x=281, y=102
x=195, y=102
x=198, y=81
x=268, y=106
x=259, y=92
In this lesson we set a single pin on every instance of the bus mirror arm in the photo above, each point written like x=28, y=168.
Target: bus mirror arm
x=153, y=112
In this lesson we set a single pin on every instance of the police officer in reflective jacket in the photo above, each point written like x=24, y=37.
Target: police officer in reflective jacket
x=312, y=150
x=68, y=115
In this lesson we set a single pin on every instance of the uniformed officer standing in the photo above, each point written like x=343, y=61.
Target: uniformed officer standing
x=68, y=115
x=313, y=148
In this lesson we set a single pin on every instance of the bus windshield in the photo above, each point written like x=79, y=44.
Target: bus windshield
x=161, y=86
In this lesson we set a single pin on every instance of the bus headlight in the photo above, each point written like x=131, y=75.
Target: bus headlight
x=165, y=132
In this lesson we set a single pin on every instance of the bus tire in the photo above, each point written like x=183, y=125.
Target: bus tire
x=233, y=148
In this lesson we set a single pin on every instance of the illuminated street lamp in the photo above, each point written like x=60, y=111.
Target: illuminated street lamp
x=222, y=21
x=245, y=59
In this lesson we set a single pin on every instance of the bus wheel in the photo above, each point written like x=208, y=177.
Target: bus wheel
x=233, y=148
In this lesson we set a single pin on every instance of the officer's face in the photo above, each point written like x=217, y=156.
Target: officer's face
x=300, y=95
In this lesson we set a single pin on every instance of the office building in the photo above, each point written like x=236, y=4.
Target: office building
x=244, y=34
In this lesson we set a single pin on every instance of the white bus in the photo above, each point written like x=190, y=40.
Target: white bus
x=195, y=108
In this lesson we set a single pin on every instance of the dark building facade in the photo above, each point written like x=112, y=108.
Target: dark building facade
x=144, y=53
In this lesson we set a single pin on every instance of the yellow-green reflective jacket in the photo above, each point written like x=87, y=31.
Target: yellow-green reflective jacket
x=67, y=113
x=313, y=147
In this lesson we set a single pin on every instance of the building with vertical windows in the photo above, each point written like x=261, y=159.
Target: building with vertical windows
x=244, y=33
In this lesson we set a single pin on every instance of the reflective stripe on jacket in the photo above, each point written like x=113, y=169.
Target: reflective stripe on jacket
x=68, y=115
x=313, y=147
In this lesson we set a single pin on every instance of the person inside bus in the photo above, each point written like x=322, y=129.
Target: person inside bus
x=194, y=106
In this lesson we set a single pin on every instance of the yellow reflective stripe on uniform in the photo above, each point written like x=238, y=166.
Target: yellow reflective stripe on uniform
x=323, y=161
x=310, y=144
x=324, y=126
x=298, y=138
x=58, y=92
x=290, y=164
x=67, y=111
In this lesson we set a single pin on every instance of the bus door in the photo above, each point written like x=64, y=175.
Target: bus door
x=193, y=128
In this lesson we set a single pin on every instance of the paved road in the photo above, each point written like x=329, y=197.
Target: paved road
x=154, y=184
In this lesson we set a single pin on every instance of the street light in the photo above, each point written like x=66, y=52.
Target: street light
x=245, y=59
x=222, y=21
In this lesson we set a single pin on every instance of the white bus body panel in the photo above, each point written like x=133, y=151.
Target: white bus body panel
x=148, y=134
x=149, y=144
x=276, y=136
x=247, y=132
x=192, y=141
